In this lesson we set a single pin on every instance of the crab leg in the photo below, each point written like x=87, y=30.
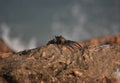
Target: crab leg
x=75, y=44
x=70, y=47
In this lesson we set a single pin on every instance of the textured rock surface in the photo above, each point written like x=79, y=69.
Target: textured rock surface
x=101, y=41
x=94, y=63
x=5, y=51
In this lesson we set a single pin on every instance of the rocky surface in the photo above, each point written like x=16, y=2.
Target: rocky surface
x=98, y=61
x=101, y=41
x=5, y=51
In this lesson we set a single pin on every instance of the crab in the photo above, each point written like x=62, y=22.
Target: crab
x=61, y=41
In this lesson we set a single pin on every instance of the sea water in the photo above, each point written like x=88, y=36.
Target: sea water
x=29, y=24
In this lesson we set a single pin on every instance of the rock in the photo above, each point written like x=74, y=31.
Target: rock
x=101, y=41
x=5, y=51
x=96, y=63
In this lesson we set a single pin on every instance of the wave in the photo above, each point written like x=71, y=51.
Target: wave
x=16, y=43
x=74, y=23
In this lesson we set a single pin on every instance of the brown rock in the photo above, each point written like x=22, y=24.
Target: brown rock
x=98, y=63
x=5, y=51
x=101, y=41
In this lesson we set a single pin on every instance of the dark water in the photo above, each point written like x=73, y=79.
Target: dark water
x=28, y=23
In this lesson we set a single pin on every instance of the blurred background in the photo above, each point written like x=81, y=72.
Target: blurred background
x=28, y=24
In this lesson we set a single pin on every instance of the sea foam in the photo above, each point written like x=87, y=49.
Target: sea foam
x=16, y=43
